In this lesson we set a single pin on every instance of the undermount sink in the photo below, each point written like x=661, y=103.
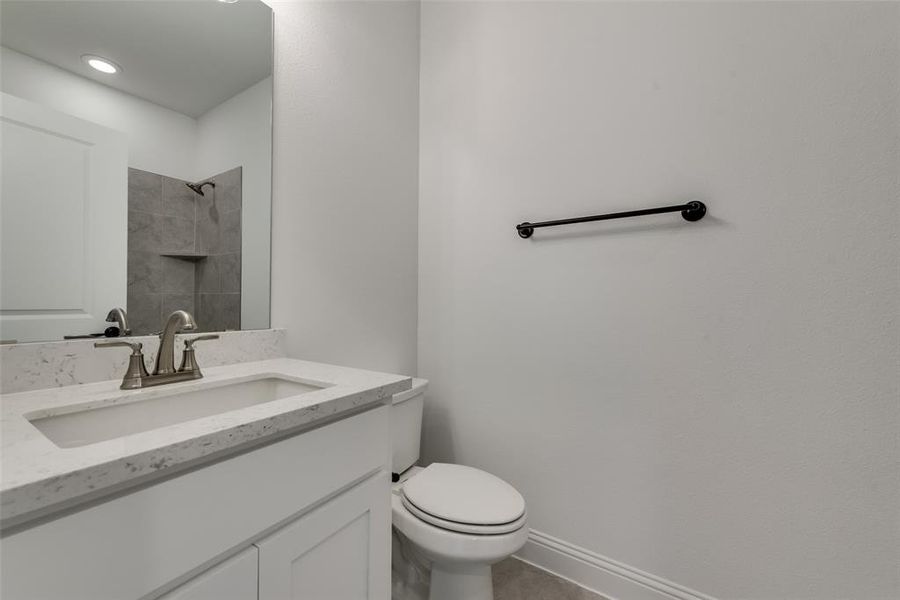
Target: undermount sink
x=88, y=426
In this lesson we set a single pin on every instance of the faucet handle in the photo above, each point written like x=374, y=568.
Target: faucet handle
x=137, y=371
x=188, y=360
x=189, y=344
x=136, y=347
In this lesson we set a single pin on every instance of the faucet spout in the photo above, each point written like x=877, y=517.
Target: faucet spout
x=180, y=320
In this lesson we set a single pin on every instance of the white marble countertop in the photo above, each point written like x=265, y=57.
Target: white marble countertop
x=37, y=477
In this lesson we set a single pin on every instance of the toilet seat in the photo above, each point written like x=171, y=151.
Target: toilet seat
x=463, y=499
x=462, y=527
x=452, y=547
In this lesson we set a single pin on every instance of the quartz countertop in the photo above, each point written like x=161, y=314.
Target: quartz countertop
x=38, y=477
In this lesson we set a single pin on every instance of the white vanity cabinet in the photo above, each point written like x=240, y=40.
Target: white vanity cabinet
x=234, y=579
x=307, y=516
x=336, y=551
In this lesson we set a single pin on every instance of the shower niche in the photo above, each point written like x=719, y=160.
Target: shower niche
x=184, y=249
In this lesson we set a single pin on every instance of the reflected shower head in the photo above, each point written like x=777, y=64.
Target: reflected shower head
x=198, y=187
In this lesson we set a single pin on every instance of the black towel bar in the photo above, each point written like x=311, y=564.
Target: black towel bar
x=692, y=211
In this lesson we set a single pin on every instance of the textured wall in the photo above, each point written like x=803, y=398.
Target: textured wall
x=715, y=403
x=345, y=175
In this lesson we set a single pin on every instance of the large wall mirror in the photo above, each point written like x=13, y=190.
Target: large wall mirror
x=136, y=165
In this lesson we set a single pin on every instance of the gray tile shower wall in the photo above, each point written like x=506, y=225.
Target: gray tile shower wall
x=218, y=281
x=166, y=217
x=160, y=220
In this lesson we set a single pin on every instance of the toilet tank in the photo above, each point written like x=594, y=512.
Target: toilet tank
x=406, y=425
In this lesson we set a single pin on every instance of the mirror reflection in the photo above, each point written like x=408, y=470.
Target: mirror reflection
x=136, y=163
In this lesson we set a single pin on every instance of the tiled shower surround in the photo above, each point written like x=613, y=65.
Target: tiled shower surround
x=165, y=217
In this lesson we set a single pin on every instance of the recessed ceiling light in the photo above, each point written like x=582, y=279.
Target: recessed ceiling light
x=227, y=1
x=104, y=65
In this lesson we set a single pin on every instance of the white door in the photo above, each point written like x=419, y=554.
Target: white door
x=338, y=551
x=63, y=222
x=233, y=579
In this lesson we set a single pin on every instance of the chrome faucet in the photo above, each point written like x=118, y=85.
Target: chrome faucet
x=117, y=316
x=164, y=370
x=180, y=320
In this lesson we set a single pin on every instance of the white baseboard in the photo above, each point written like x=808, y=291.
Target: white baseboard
x=603, y=575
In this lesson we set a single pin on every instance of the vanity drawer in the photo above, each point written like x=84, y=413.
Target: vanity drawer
x=156, y=538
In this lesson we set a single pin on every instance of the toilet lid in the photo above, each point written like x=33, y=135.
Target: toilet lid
x=464, y=495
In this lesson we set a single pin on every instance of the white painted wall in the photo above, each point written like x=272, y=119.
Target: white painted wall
x=159, y=140
x=714, y=403
x=345, y=181
x=238, y=133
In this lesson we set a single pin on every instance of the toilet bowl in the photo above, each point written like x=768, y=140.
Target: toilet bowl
x=461, y=520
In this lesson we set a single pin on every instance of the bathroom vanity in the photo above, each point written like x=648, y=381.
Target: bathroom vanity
x=266, y=480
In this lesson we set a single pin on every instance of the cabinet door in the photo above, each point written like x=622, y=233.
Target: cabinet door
x=234, y=579
x=338, y=551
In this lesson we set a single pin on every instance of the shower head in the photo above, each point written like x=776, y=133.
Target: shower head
x=198, y=187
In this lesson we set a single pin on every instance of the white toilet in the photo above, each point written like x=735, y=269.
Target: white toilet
x=460, y=519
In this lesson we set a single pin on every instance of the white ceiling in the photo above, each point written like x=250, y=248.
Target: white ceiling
x=187, y=55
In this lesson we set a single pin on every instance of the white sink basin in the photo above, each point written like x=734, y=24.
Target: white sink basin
x=88, y=426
